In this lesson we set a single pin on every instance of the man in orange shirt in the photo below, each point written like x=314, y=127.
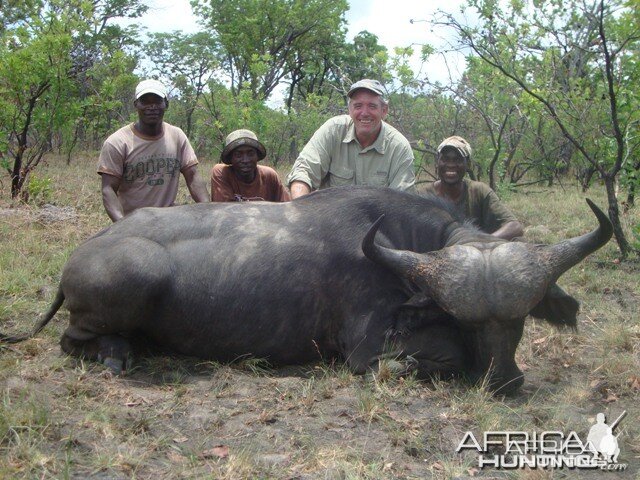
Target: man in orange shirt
x=241, y=178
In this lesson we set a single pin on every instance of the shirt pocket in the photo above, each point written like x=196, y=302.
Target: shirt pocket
x=378, y=179
x=340, y=176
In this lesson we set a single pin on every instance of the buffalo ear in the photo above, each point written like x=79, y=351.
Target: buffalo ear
x=417, y=312
x=557, y=307
x=418, y=300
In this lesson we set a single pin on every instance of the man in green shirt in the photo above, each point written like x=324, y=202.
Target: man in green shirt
x=474, y=200
x=355, y=149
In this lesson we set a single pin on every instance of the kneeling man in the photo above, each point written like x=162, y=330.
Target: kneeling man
x=473, y=200
x=241, y=178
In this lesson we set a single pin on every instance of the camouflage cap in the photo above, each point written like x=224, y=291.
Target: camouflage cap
x=241, y=138
x=372, y=85
x=459, y=143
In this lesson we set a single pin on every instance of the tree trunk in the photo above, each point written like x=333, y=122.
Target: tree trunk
x=492, y=168
x=631, y=196
x=586, y=176
x=16, y=184
x=614, y=216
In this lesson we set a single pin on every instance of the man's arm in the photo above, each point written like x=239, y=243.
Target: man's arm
x=312, y=165
x=509, y=230
x=498, y=217
x=298, y=189
x=196, y=184
x=110, y=200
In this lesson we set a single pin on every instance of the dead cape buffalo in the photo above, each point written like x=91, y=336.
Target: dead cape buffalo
x=323, y=275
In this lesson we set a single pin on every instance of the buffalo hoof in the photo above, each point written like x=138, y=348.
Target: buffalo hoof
x=115, y=365
x=510, y=387
x=400, y=367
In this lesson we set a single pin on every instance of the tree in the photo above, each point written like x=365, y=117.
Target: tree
x=33, y=76
x=190, y=61
x=569, y=57
x=499, y=123
x=364, y=58
x=263, y=41
x=45, y=59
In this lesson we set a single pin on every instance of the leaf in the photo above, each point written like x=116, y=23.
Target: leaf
x=612, y=397
x=175, y=457
x=219, y=451
x=473, y=471
x=634, y=382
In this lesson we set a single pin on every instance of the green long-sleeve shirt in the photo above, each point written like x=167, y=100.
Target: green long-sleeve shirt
x=334, y=157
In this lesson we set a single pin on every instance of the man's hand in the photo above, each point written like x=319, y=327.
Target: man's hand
x=110, y=200
x=509, y=230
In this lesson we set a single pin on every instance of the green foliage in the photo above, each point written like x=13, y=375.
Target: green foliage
x=364, y=58
x=282, y=132
x=190, y=60
x=264, y=42
x=576, y=61
x=39, y=189
x=635, y=231
x=505, y=190
x=47, y=56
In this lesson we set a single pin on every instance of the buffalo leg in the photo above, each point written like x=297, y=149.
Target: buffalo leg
x=438, y=351
x=432, y=351
x=114, y=351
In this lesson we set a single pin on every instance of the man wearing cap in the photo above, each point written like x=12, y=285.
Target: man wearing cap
x=355, y=149
x=473, y=200
x=139, y=163
x=242, y=179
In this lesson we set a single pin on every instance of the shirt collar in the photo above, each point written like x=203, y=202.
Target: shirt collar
x=378, y=145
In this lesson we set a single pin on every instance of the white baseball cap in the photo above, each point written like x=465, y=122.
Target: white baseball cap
x=151, y=86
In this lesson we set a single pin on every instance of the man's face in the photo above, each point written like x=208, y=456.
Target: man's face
x=244, y=161
x=150, y=108
x=367, y=111
x=451, y=165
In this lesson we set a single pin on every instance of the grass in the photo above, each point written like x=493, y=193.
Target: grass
x=172, y=416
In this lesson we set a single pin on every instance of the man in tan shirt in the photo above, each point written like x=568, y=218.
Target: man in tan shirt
x=140, y=163
x=239, y=178
x=355, y=149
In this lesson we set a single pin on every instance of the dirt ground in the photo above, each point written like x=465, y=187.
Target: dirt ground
x=183, y=418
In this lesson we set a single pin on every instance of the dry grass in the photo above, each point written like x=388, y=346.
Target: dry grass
x=184, y=418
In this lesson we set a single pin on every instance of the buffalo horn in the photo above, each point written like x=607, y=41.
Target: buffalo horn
x=564, y=255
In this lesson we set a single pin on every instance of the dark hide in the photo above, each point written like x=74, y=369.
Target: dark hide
x=287, y=282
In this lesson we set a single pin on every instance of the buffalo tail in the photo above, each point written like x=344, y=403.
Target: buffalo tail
x=55, y=306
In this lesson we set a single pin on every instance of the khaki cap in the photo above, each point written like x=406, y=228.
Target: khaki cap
x=372, y=85
x=459, y=143
x=241, y=138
